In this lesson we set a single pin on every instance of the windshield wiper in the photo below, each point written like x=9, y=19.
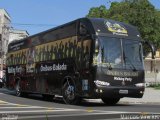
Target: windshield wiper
x=124, y=57
x=107, y=64
x=109, y=67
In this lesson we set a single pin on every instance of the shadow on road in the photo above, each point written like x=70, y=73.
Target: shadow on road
x=86, y=103
x=59, y=100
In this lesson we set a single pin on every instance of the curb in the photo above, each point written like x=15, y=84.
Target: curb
x=148, y=103
x=124, y=102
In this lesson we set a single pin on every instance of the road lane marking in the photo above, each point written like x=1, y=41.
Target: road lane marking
x=51, y=109
x=2, y=102
x=65, y=110
x=72, y=115
x=22, y=107
x=89, y=110
x=67, y=115
x=13, y=104
x=36, y=111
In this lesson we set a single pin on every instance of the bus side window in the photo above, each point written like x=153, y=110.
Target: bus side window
x=82, y=29
x=86, y=56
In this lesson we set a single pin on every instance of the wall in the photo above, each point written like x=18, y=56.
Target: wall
x=152, y=68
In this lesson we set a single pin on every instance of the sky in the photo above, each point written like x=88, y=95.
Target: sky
x=39, y=15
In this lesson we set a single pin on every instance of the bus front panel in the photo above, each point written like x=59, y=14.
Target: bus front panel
x=119, y=67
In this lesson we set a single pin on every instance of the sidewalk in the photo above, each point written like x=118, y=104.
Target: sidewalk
x=151, y=96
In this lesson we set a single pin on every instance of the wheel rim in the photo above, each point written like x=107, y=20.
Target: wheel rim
x=70, y=92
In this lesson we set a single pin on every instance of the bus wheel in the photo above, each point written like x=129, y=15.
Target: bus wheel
x=110, y=101
x=69, y=94
x=17, y=88
x=19, y=93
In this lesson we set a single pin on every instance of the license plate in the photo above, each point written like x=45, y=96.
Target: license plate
x=123, y=91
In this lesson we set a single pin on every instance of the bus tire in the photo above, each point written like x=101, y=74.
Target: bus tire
x=17, y=89
x=69, y=94
x=110, y=101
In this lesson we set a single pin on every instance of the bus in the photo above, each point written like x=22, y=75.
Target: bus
x=86, y=58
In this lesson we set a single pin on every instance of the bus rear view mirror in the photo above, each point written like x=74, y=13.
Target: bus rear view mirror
x=148, y=47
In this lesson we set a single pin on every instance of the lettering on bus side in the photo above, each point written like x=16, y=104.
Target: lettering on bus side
x=123, y=79
x=54, y=67
x=122, y=73
x=17, y=69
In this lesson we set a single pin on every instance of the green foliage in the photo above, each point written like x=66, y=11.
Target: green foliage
x=155, y=86
x=99, y=12
x=140, y=13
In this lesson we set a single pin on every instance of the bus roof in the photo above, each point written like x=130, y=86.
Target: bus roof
x=98, y=26
x=114, y=28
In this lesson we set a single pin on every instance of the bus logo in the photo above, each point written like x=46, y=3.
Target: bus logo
x=116, y=28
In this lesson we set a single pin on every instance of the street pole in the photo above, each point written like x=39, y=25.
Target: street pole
x=1, y=66
x=155, y=71
x=1, y=54
x=1, y=59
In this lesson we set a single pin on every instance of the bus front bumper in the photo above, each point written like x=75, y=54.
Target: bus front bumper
x=120, y=92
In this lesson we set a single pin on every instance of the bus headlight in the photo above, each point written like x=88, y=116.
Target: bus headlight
x=140, y=85
x=101, y=83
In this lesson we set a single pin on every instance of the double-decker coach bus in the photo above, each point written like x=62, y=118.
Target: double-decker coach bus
x=86, y=58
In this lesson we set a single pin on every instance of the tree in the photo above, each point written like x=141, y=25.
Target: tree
x=99, y=12
x=140, y=13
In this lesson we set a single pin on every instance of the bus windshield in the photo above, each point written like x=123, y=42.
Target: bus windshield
x=120, y=53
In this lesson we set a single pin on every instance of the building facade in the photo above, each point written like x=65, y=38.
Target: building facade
x=17, y=34
x=7, y=35
x=5, y=23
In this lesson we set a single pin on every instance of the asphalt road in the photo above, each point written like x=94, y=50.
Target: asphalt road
x=34, y=107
